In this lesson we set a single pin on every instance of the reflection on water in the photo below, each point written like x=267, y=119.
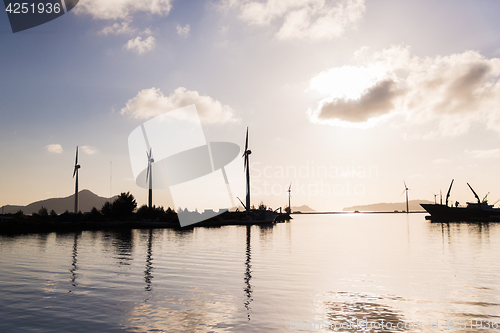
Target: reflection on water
x=248, y=273
x=148, y=276
x=123, y=243
x=396, y=268
x=73, y=263
x=365, y=312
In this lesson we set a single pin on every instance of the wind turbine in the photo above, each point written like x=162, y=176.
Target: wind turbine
x=289, y=195
x=406, y=190
x=149, y=174
x=435, y=195
x=246, y=167
x=75, y=172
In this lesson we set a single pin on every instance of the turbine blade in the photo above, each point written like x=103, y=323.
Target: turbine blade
x=245, y=162
x=246, y=141
x=405, y=184
x=402, y=192
x=290, y=188
x=241, y=202
x=76, y=160
x=74, y=171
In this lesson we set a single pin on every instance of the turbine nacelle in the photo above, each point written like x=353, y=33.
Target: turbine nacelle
x=150, y=162
x=76, y=170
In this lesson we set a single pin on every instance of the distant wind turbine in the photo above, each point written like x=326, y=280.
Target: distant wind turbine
x=149, y=174
x=246, y=167
x=406, y=190
x=75, y=173
x=289, y=195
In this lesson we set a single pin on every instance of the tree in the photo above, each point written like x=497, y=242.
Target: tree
x=43, y=212
x=143, y=212
x=106, y=209
x=123, y=206
x=53, y=213
x=95, y=214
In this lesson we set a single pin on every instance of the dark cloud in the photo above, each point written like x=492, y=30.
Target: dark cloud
x=461, y=91
x=376, y=101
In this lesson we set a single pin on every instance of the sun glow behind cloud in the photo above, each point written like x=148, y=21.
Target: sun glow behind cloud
x=348, y=82
x=453, y=91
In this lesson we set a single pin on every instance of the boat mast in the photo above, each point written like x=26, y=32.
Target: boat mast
x=449, y=191
x=475, y=194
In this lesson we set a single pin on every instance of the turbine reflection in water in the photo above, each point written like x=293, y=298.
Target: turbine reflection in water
x=148, y=276
x=74, y=266
x=248, y=273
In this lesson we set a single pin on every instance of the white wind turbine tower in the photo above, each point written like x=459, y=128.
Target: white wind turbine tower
x=406, y=190
x=75, y=173
x=149, y=174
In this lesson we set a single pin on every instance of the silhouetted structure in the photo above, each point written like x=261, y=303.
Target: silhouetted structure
x=149, y=173
x=247, y=168
x=479, y=211
x=75, y=172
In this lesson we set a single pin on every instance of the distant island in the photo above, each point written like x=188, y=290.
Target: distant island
x=87, y=200
x=414, y=205
x=303, y=208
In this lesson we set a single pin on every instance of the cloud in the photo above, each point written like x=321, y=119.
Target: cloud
x=121, y=9
x=490, y=153
x=118, y=29
x=141, y=46
x=300, y=19
x=149, y=103
x=89, y=150
x=54, y=148
x=452, y=91
x=183, y=31
x=375, y=101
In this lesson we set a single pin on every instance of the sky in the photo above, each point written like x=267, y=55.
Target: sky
x=346, y=100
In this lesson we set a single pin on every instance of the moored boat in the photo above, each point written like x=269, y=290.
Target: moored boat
x=479, y=211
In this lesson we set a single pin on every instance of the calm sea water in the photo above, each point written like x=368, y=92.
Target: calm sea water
x=315, y=273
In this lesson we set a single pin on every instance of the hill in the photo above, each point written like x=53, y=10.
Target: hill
x=414, y=205
x=86, y=199
x=303, y=208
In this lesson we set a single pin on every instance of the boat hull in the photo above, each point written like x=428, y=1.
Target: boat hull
x=443, y=213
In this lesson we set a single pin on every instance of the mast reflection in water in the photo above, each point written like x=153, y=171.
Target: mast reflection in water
x=248, y=273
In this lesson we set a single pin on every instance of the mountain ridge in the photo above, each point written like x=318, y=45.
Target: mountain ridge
x=87, y=200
